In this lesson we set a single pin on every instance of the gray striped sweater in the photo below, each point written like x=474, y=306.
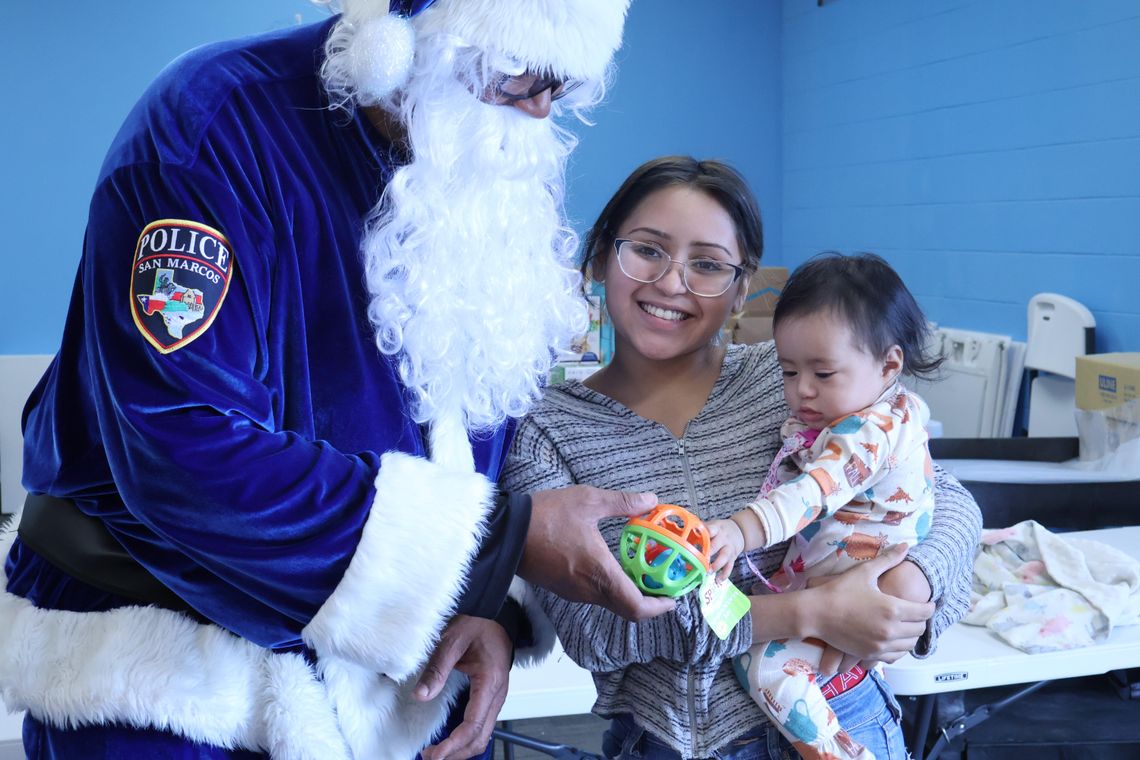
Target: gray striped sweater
x=672, y=673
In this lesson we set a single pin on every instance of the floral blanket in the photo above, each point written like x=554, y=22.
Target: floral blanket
x=1043, y=591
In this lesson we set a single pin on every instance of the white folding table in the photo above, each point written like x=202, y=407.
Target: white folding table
x=970, y=657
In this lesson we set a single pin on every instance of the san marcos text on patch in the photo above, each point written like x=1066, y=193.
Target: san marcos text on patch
x=180, y=277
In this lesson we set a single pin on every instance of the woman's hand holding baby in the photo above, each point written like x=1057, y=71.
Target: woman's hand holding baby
x=859, y=619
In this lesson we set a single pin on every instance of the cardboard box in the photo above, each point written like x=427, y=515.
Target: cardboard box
x=1108, y=406
x=754, y=325
x=764, y=291
x=752, y=329
x=1105, y=381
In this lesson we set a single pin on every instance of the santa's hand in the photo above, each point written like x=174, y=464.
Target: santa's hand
x=566, y=554
x=481, y=649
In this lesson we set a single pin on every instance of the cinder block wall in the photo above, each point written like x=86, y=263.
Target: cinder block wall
x=989, y=150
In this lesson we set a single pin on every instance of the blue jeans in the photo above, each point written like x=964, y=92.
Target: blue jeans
x=869, y=712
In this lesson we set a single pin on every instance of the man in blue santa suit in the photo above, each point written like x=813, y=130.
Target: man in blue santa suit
x=324, y=270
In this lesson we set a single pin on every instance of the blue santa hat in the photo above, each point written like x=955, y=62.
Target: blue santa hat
x=573, y=39
x=408, y=8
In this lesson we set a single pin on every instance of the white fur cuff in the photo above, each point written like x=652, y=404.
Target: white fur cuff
x=540, y=625
x=409, y=568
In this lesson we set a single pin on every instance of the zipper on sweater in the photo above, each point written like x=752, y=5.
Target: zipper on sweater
x=689, y=486
x=692, y=716
x=692, y=701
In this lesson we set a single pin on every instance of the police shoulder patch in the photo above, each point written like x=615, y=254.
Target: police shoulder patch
x=180, y=276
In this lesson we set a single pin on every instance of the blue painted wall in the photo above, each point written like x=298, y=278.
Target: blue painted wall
x=706, y=84
x=989, y=150
x=701, y=83
x=71, y=72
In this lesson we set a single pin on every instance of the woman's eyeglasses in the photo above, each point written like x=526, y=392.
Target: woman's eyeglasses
x=647, y=263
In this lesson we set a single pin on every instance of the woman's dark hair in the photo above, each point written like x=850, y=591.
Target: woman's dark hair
x=866, y=292
x=717, y=179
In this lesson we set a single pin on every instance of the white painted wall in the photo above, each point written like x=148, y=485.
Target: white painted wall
x=555, y=687
x=18, y=375
x=10, y=728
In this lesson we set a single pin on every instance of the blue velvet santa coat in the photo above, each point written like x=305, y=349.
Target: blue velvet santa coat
x=218, y=401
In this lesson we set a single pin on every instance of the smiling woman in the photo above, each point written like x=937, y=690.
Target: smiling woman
x=697, y=422
x=701, y=217
x=656, y=312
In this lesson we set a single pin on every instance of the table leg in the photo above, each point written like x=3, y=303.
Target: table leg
x=923, y=714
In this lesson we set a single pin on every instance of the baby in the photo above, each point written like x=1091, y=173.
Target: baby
x=854, y=475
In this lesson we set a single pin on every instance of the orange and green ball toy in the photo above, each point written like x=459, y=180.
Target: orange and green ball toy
x=666, y=553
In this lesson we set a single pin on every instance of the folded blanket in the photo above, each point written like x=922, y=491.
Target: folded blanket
x=1041, y=591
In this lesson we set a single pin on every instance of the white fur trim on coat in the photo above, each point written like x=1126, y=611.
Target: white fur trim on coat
x=540, y=625
x=406, y=576
x=372, y=635
x=569, y=38
x=153, y=668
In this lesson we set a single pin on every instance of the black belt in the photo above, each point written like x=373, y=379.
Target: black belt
x=81, y=546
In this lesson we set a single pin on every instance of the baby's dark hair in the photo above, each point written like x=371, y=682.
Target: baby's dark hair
x=866, y=292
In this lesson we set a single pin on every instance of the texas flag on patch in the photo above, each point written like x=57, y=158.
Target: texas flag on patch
x=180, y=276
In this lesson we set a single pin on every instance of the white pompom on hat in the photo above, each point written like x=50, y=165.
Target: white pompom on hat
x=572, y=39
x=381, y=53
x=381, y=45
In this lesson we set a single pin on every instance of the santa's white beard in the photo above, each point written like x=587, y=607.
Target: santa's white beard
x=468, y=259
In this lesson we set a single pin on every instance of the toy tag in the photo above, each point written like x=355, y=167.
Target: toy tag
x=722, y=604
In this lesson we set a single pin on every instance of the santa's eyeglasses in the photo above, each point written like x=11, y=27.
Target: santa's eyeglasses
x=504, y=81
x=506, y=89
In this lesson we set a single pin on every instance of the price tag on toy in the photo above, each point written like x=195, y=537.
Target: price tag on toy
x=722, y=604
